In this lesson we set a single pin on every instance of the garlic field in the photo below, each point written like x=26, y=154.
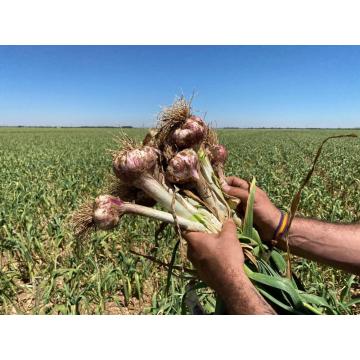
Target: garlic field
x=45, y=173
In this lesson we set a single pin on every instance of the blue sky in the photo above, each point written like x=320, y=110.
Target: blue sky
x=245, y=86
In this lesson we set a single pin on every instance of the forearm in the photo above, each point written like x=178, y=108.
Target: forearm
x=337, y=245
x=241, y=297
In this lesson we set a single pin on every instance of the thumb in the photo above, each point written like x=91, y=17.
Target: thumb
x=193, y=237
x=237, y=192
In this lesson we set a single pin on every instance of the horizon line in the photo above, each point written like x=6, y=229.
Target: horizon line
x=148, y=127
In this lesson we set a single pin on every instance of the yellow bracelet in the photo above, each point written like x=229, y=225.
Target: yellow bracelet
x=282, y=227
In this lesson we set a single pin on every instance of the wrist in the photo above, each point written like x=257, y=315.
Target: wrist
x=241, y=297
x=268, y=224
x=231, y=281
x=282, y=226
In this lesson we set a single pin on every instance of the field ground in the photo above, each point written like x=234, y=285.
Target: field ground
x=46, y=173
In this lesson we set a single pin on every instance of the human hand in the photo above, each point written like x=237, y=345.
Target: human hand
x=218, y=258
x=266, y=215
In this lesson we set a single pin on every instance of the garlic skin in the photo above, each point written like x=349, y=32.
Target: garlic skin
x=191, y=133
x=107, y=211
x=218, y=154
x=183, y=167
x=131, y=164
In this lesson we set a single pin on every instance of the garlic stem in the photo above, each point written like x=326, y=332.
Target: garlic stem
x=207, y=196
x=164, y=216
x=154, y=189
x=209, y=175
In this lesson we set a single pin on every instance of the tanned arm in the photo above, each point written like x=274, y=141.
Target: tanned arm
x=332, y=244
x=337, y=245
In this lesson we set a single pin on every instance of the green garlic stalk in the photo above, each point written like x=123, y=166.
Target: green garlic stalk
x=109, y=209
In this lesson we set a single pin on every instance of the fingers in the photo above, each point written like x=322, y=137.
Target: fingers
x=237, y=192
x=197, y=245
x=237, y=187
x=191, y=254
x=237, y=182
x=193, y=237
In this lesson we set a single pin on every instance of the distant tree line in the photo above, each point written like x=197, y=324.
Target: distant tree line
x=67, y=127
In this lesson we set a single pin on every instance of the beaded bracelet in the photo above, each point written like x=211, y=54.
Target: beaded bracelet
x=282, y=227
